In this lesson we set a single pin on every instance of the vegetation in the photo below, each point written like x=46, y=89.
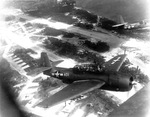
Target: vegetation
x=144, y=59
x=138, y=34
x=71, y=35
x=51, y=32
x=25, y=51
x=134, y=72
x=84, y=25
x=47, y=83
x=36, y=25
x=106, y=23
x=51, y=8
x=98, y=46
x=66, y=3
x=61, y=48
x=63, y=18
x=84, y=15
x=68, y=35
x=71, y=51
x=98, y=59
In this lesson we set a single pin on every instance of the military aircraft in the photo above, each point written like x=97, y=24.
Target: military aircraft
x=85, y=78
x=130, y=26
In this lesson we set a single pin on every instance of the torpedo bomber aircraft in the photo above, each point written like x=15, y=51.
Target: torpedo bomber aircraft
x=85, y=78
x=131, y=26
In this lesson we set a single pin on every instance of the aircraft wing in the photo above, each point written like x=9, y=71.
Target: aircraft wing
x=118, y=25
x=71, y=91
x=115, y=63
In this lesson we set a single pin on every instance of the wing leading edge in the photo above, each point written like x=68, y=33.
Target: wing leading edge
x=71, y=91
x=119, y=25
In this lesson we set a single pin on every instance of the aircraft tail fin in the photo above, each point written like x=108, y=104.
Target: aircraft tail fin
x=120, y=20
x=44, y=60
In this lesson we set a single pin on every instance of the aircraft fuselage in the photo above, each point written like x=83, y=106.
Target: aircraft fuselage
x=113, y=81
x=134, y=26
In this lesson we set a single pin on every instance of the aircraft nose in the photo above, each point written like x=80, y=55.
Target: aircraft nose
x=132, y=81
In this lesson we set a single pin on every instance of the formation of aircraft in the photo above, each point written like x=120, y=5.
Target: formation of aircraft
x=85, y=78
x=130, y=26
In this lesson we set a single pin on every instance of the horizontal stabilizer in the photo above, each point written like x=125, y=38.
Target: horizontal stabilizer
x=55, y=63
x=71, y=91
x=37, y=71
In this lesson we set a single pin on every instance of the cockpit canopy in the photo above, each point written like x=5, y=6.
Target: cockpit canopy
x=94, y=68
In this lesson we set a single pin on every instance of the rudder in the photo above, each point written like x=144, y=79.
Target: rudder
x=120, y=20
x=44, y=61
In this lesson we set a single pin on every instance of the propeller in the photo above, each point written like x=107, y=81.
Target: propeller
x=134, y=83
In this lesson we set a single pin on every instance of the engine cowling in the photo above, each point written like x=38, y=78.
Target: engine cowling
x=120, y=82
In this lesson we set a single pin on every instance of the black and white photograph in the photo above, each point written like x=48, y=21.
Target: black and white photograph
x=74, y=58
